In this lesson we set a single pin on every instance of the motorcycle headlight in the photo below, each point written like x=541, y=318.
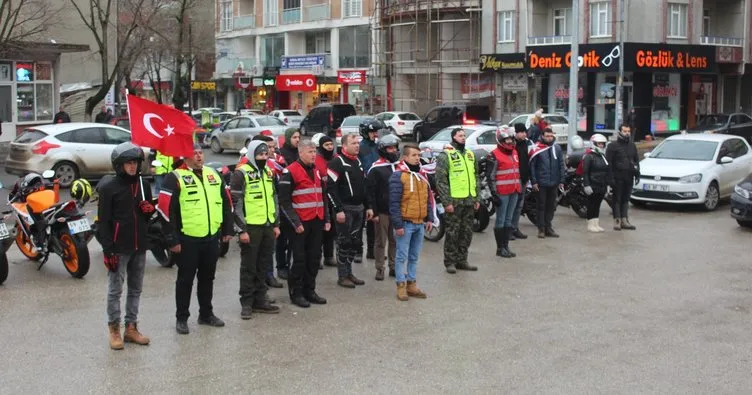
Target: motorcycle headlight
x=741, y=191
x=691, y=179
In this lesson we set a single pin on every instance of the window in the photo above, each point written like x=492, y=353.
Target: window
x=562, y=21
x=291, y=11
x=352, y=8
x=44, y=102
x=355, y=47
x=488, y=137
x=677, y=20
x=271, y=12
x=225, y=16
x=432, y=116
x=600, y=19
x=244, y=123
x=408, y=116
x=736, y=148
x=706, y=23
x=506, y=26
x=25, y=102
x=269, y=121
x=232, y=124
x=318, y=42
x=290, y=113
x=88, y=136
x=30, y=136
x=273, y=50
x=34, y=98
x=114, y=136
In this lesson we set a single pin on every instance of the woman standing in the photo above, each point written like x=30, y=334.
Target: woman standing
x=503, y=172
x=595, y=180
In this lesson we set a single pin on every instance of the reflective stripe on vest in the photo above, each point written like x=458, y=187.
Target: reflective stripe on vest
x=461, y=174
x=200, y=202
x=258, y=199
x=307, y=197
x=166, y=164
x=507, y=172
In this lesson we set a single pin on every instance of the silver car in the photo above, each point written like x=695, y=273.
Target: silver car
x=237, y=132
x=291, y=118
x=72, y=150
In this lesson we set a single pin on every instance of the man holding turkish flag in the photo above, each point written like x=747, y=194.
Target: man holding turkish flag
x=160, y=127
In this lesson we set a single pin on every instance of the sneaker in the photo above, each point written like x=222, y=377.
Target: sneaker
x=451, y=269
x=330, y=261
x=550, y=233
x=181, y=326
x=519, y=234
x=211, y=320
x=379, y=274
x=246, y=312
x=466, y=267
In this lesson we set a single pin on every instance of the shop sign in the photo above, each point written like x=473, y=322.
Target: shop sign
x=669, y=58
x=351, y=77
x=269, y=82
x=502, y=62
x=296, y=82
x=271, y=72
x=725, y=55
x=475, y=86
x=302, y=62
x=203, y=86
x=558, y=58
x=514, y=82
x=259, y=82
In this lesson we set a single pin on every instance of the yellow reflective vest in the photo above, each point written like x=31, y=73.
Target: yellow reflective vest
x=166, y=164
x=200, y=202
x=258, y=199
x=461, y=173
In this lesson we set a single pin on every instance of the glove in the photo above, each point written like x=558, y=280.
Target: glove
x=146, y=207
x=111, y=261
x=588, y=190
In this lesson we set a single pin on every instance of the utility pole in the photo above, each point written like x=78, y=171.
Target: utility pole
x=619, y=113
x=189, y=65
x=573, y=71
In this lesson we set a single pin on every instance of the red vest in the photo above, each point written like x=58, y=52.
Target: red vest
x=307, y=197
x=507, y=172
x=321, y=164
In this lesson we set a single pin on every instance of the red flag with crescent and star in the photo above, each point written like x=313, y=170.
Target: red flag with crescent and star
x=160, y=127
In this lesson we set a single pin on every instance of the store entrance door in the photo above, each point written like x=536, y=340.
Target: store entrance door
x=7, y=126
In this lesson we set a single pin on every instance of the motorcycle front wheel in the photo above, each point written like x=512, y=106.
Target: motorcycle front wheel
x=437, y=232
x=25, y=245
x=75, y=254
x=3, y=268
x=164, y=257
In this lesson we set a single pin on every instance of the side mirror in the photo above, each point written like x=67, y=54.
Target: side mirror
x=156, y=163
x=726, y=160
x=243, y=151
x=48, y=174
x=647, y=154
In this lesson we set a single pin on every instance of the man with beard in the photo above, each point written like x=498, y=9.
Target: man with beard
x=458, y=188
x=324, y=154
x=547, y=170
x=523, y=146
x=289, y=152
x=377, y=188
x=624, y=172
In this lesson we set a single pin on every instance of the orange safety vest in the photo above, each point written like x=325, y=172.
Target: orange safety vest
x=307, y=197
x=507, y=172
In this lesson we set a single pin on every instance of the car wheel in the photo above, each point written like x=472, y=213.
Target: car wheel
x=744, y=224
x=65, y=172
x=712, y=197
x=417, y=136
x=215, y=146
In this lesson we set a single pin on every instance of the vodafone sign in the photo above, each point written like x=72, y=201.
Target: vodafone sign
x=296, y=82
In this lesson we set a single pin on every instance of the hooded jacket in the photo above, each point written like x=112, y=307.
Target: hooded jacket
x=547, y=167
x=377, y=185
x=289, y=153
x=623, y=160
x=121, y=226
x=595, y=173
x=238, y=185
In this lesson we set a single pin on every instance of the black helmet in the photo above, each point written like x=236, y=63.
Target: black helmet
x=385, y=142
x=126, y=152
x=370, y=125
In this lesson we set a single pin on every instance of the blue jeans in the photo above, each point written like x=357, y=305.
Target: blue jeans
x=518, y=210
x=408, y=251
x=505, y=210
x=131, y=267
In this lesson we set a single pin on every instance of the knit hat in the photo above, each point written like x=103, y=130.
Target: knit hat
x=325, y=139
x=519, y=127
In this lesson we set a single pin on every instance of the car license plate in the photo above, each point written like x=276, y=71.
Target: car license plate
x=655, y=187
x=4, y=233
x=78, y=226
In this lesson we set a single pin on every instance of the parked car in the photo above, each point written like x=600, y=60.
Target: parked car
x=558, y=123
x=477, y=137
x=693, y=169
x=351, y=125
x=237, y=132
x=213, y=110
x=737, y=124
x=291, y=118
x=400, y=123
x=247, y=111
x=72, y=150
x=325, y=118
x=741, y=202
x=446, y=115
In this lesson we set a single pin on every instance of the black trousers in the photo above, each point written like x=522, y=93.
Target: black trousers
x=546, y=206
x=328, y=243
x=306, y=257
x=349, y=239
x=197, y=259
x=622, y=192
x=594, y=204
x=254, y=261
x=282, y=248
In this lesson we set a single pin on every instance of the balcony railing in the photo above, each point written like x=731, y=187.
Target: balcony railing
x=291, y=15
x=244, y=22
x=228, y=65
x=316, y=12
x=722, y=41
x=549, y=40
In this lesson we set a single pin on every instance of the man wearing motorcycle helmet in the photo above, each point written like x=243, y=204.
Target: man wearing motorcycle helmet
x=595, y=179
x=377, y=188
x=503, y=172
x=624, y=166
x=324, y=153
x=369, y=130
x=123, y=213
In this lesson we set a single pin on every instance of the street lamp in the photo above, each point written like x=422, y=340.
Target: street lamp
x=573, y=71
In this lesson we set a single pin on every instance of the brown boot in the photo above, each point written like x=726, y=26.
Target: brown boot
x=414, y=292
x=401, y=292
x=626, y=225
x=617, y=224
x=132, y=335
x=116, y=342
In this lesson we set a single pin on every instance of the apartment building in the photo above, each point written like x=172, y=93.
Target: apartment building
x=681, y=59
x=296, y=53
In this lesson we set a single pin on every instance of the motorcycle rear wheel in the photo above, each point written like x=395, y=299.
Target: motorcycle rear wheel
x=3, y=268
x=164, y=257
x=75, y=254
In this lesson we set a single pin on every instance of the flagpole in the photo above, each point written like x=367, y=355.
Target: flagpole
x=140, y=178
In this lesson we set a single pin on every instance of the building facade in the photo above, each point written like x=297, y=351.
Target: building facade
x=681, y=59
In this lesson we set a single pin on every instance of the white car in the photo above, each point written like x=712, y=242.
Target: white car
x=558, y=123
x=693, y=169
x=291, y=118
x=399, y=123
x=477, y=137
x=351, y=125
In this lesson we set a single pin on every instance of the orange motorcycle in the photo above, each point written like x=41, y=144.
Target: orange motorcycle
x=45, y=225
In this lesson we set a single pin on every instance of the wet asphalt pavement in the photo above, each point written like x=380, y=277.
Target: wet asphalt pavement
x=664, y=309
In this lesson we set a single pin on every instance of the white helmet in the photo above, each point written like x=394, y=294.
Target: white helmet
x=598, y=138
x=577, y=143
x=316, y=138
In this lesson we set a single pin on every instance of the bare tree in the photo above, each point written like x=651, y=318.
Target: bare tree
x=22, y=21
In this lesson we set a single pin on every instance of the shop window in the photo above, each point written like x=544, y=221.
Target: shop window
x=600, y=19
x=506, y=26
x=44, y=102
x=24, y=72
x=25, y=102
x=6, y=72
x=562, y=21
x=666, y=103
x=559, y=97
x=354, y=47
x=677, y=20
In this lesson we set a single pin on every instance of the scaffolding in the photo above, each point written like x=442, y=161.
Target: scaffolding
x=427, y=53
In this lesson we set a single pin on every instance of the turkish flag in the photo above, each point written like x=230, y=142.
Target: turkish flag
x=160, y=127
